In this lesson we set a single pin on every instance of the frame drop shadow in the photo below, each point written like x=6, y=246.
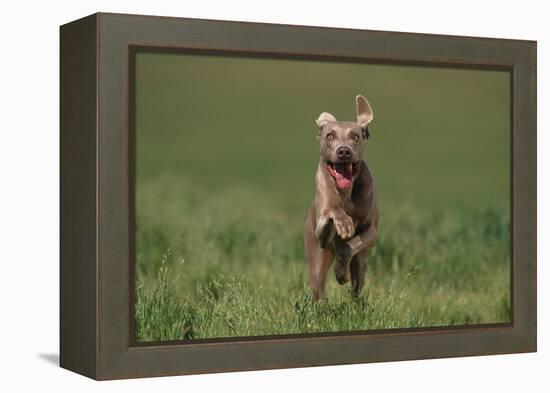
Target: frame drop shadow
x=52, y=358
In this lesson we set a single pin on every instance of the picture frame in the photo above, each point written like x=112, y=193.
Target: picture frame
x=97, y=183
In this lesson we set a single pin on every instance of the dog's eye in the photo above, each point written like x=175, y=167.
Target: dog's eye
x=330, y=137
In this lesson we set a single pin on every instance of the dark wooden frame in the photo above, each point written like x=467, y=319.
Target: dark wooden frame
x=96, y=314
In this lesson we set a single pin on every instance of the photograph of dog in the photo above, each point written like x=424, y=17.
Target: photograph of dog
x=265, y=189
x=343, y=220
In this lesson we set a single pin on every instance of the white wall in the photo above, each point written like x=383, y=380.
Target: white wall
x=29, y=193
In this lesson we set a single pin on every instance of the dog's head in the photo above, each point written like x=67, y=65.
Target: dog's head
x=342, y=142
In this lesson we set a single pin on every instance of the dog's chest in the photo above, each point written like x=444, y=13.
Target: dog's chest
x=348, y=205
x=357, y=204
x=352, y=205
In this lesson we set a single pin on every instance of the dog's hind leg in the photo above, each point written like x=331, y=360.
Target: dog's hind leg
x=358, y=270
x=319, y=259
x=342, y=261
x=318, y=270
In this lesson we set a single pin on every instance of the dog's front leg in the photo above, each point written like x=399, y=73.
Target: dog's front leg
x=324, y=231
x=343, y=223
x=332, y=222
x=346, y=250
x=364, y=239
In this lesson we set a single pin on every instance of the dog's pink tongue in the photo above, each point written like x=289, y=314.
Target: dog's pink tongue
x=342, y=181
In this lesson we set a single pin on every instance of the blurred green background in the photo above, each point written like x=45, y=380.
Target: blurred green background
x=225, y=164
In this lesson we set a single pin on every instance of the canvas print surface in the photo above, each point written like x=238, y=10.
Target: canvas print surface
x=230, y=154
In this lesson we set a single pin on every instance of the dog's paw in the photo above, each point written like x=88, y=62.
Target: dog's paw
x=325, y=231
x=343, y=252
x=342, y=273
x=344, y=226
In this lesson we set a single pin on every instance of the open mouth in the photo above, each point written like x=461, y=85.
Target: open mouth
x=342, y=172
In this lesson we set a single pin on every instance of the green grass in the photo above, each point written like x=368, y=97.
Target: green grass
x=208, y=268
x=225, y=172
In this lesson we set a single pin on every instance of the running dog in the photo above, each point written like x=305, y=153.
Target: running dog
x=342, y=222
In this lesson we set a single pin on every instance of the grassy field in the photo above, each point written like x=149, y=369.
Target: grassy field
x=226, y=156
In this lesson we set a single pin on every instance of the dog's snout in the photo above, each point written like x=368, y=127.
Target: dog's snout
x=343, y=153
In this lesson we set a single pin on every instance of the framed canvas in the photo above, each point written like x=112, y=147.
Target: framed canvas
x=244, y=196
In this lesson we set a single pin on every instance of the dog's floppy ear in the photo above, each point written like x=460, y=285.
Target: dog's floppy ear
x=323, y=119
x=364, y=111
